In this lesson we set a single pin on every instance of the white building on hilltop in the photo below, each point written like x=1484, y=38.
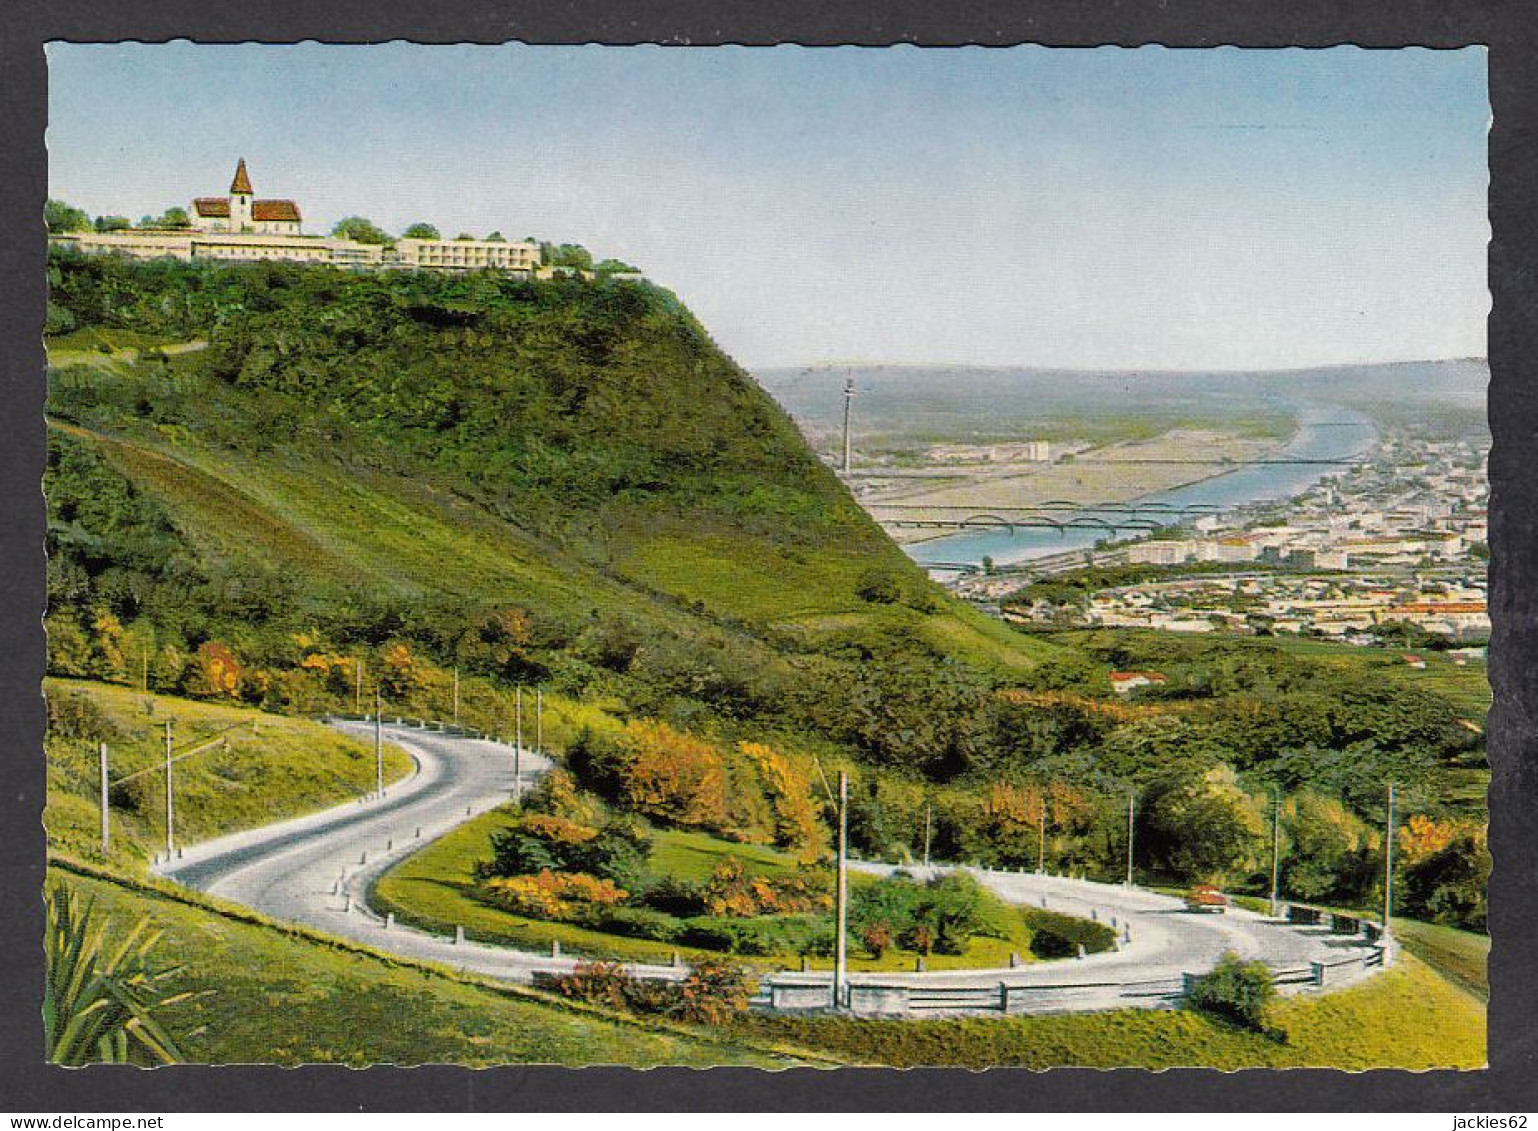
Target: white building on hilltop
x=239, y=228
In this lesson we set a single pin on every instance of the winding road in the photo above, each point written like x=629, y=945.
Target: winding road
x=317, y=870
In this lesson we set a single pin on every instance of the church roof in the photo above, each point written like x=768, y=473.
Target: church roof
x=274, y=210
x=242, y=183
x=218, y=208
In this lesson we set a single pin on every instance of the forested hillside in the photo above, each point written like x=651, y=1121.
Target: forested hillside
x=273, y=483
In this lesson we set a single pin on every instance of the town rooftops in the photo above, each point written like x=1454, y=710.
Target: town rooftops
x=274, y=210
x=1148, y=677
x=212, y=205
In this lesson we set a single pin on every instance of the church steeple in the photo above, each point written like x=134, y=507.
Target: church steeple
x=241, y=185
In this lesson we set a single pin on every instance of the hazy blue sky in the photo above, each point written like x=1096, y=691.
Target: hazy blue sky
x=1095, y=208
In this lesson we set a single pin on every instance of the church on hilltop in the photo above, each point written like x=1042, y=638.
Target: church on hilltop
x=240, y=228
x=241, y=212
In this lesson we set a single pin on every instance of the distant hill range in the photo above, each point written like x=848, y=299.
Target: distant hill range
x=951, y=402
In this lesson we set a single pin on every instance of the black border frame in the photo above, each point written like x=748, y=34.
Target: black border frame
x=1507, y=27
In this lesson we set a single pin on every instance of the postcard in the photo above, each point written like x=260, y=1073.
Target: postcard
x=766, y=556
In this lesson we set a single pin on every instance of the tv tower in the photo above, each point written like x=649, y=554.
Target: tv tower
x=848, y=400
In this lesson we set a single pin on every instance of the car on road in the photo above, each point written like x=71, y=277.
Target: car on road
x=1206, y=897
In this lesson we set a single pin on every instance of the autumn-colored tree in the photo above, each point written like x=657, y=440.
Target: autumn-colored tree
x=673, y=776
x=789, y=791
x=214, y=671
x=107, y=660
x=1422, y=836
x=398, y=675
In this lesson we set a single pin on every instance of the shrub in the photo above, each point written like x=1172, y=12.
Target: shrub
x=597, y=983
x=713, y=992
x=673, y=895
x=559, y=896
x=538, y=842
x=765, y=935
x=100, y=1000
x=1237, y=991
x=1054, y=935
x=639, y=923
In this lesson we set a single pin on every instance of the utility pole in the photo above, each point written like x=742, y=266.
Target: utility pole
x=1131, y=800
x=378, y=748
x=1388, y=866
x=928, y=815
x=106, y=832
x=1041, y=846
x=170, y=802
x=841, y=938
x=1276, y=846
x=848, y=401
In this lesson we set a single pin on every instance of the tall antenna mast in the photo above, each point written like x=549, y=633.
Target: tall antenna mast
x=848, y=400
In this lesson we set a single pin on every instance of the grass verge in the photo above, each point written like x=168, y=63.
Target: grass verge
x=286, y=995
x=1406, y=1017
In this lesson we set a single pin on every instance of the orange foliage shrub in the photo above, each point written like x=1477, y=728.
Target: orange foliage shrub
x=552, y=895
x=731, y=892
x=674, y=776
x=558, y=829
x=214, y=671
x=789, y=790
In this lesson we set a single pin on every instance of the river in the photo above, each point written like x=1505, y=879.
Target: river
x=1325, y=432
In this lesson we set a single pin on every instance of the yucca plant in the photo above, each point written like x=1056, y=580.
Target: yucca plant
x=99, y=1002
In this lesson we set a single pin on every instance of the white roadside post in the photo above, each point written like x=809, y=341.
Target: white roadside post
x=106, y=831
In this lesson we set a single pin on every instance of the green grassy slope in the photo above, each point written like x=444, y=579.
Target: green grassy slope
x=273, y=768
x=277, y=997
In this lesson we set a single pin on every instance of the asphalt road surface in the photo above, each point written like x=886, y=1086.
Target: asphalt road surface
x=317, y=870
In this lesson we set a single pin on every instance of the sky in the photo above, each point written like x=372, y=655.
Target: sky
x=1095, y=208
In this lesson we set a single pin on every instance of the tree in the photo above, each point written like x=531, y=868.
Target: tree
x=421, y=231
x=361, y=229
x=616, y=267
x=1204, y=828
x=174, y=218
x=463, y=236
x=62, y=217
x=112, y=223
x=496, y=237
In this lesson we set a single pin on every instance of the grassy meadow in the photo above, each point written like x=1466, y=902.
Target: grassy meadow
x=273, y=767
x=287, y=997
